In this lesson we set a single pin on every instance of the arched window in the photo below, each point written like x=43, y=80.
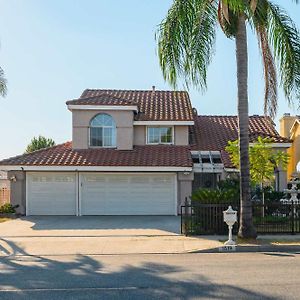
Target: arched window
x=102, y=131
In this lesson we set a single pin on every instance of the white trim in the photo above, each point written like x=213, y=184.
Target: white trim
x=102, y=107
x=205, y=152
x=296, y=121
x=176, y=194
x=97, y=168
x=231, y=170
x=281, y=145
x=158, y=123
x=208, y=168
x=79, y=193
x=26, y=195
x=276, y=145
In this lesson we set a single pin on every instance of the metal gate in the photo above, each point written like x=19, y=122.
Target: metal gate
x=271, y=218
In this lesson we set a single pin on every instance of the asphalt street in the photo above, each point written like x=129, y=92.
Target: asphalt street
x=177, y=276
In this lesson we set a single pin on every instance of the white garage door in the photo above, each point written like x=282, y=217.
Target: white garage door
x=128, y=194
x=51, y=194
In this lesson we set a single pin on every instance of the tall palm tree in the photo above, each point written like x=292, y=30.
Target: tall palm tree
x=186, y=39
x=3, y=87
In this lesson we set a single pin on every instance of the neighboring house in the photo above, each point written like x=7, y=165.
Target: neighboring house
x=4, y=188
x=289, y=128
x=132, y=153
x=4, y=182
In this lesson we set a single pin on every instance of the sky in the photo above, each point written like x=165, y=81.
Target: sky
x=51, y=50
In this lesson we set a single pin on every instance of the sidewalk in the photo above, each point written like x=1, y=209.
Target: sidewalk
x=110, y=236
x=95, y=245
x=263, y=243
x=105, y=245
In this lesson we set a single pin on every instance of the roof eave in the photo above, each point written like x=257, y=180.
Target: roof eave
x=97, y=168
x=72, y=107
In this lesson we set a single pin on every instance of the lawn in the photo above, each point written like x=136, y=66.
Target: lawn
x=3, y=219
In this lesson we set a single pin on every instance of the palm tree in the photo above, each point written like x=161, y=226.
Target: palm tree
x=3, y=88
x=186, y=39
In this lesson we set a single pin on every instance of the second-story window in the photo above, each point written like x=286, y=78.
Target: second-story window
x=102, y=131
x=159, y=135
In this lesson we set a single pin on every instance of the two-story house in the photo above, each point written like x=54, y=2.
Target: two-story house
x=132, y=153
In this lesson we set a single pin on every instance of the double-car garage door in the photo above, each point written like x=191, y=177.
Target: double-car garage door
x=55, y=193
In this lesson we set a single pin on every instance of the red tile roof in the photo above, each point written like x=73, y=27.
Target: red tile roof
x=140, y=156
x=152, y=105
x=212, y=133
x=101, y=99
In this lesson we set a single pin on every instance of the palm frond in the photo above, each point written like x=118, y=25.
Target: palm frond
x=186, y=40
x=270, y=76
x=284, y=39
x=227, y=19
x=3, y=82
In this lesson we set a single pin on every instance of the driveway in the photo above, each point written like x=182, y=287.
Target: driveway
x=91, y=226
x=96, y=235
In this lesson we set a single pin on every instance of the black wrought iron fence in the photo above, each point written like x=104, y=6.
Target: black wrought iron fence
x=272, y=218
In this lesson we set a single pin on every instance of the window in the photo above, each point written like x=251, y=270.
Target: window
x=207, y=157
x=196, y=158
x=102, y=131
x=159, y=135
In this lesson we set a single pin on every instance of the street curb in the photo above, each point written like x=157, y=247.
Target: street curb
x=255, y=248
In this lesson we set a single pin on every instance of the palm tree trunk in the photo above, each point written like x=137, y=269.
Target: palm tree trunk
x=246, y=229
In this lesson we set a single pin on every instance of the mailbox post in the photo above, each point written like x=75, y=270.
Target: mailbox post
x=230, y=217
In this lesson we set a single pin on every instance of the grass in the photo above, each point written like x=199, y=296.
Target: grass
x=4, y=219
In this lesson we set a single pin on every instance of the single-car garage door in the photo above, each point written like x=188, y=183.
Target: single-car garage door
x=128, y=194
x=51, y=193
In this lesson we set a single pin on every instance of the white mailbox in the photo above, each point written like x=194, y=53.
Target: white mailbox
x=230, y=218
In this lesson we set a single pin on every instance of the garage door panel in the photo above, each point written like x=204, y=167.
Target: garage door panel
x=128, y=194
x=51, y=194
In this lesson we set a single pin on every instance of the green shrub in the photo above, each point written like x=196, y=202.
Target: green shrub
x=214, y=196
x=228, y=191
x=270, y=194
x=229, y=184
x=8, y=208
x=270, y=219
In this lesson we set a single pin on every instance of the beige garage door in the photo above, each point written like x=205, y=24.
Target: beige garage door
x=127, y=194
x=51, y=193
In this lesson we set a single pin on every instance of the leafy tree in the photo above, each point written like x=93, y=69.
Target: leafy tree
x=186, y=39
x=38, y=143
x=263, y=160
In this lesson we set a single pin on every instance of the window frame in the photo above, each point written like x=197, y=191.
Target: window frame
x=113, y=127
x=160, y=142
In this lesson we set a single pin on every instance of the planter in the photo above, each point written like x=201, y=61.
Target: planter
x=9, y=216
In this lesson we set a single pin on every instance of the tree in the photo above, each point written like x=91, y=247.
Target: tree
x=264, y=160
x=186, y=39
x=38, y=143
x=3, y=87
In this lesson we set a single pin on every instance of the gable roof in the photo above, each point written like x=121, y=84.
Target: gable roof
x=212, y=133
x=140, y=156
x=153, y=105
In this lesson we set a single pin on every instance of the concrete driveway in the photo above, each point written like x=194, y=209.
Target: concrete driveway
x=96, y=236
x=91, y=226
